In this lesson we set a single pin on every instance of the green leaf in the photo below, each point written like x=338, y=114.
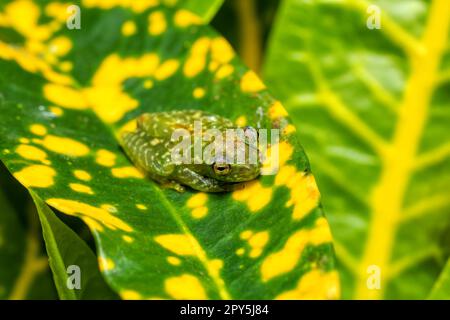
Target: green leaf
x=67, y=97
x=441, y=289
x=373, y=106
x=66, y=249
x=24, y=272
x=204, y=9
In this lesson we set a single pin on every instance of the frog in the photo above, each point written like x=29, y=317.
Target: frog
x=150, y=147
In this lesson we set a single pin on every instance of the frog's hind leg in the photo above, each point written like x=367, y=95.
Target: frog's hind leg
x=139, y=148
x=163, y=124
x=134, y=144
x=155, y=124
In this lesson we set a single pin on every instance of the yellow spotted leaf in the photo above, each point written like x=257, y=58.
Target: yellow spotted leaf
x=66, y=94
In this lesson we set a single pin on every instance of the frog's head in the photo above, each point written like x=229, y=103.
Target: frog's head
x=244, y=164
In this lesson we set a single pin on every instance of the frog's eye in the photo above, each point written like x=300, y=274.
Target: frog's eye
x=221, y=169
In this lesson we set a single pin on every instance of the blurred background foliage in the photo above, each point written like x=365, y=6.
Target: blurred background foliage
x=348, y=89
x=246, y=24
x=372, y=107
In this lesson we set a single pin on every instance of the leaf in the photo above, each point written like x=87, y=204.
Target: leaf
x=66, y=249
x=204, y=9
x=24, y=271
x=59, y=130
x=441, y=289
x=373, y=106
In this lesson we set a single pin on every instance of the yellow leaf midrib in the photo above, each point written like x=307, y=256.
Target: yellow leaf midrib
x=391, y=29
x=386, y=201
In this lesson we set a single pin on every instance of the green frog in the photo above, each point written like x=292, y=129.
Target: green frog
x=151, y=146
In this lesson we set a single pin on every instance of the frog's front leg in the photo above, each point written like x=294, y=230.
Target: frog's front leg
x=198, y=182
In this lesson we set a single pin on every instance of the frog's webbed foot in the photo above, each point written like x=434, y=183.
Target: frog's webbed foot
x=200, y=183
x=173, y=185
x=234, y=186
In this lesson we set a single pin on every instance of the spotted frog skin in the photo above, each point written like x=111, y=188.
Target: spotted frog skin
x=150, y=148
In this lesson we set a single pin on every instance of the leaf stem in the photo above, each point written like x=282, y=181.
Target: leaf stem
x=33, y=265
x=250, y=42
